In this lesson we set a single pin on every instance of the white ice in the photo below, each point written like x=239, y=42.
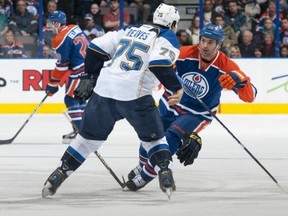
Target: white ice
x=223, y=181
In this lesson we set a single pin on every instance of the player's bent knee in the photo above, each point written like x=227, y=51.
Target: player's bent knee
x=154, y=146
x=85, y=146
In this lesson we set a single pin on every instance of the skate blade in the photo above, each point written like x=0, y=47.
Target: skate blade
x=169, y=192
x=45, y=191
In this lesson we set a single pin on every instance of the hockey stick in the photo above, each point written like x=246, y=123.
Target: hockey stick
x=8, y=141
x=238, y=141
x=122, y=184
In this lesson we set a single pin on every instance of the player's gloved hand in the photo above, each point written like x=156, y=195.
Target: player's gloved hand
x=51, y=89
x=85, y=88
x=232, y=81
x=189, y=149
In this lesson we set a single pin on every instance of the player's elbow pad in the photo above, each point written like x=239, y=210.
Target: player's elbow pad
x=94, y=62
x=167, y=76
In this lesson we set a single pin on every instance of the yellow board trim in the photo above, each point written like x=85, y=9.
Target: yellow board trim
x=226, y=108
x=255, y=108
x=28, y=108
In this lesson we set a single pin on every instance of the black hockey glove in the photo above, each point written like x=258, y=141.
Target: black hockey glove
x=85, y=88
x=190, y=148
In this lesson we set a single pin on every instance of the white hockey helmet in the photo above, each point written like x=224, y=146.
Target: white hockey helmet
x=165, y=15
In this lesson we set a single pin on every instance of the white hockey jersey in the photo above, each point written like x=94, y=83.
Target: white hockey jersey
x=133, y=50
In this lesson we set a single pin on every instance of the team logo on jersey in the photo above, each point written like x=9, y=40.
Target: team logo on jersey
x=195, y=83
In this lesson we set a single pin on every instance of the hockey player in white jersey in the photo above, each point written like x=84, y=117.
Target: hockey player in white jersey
x=136, y=55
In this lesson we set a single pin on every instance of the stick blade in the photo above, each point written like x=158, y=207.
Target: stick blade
x=9, y=141
x=169, y=192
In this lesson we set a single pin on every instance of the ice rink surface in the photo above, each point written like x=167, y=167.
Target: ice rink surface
x=223, y=181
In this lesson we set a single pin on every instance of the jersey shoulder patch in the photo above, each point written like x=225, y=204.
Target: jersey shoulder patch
x=170, y=36
x=59, y=38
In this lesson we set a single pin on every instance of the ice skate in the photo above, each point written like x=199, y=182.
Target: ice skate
x=67, y=138
x=136, y=183
x=134, y=172
x=166, y=181
x=53, y=183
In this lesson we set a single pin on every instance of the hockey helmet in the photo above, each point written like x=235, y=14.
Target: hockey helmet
x=57, y=16
x=165, y=15
x=213, y=32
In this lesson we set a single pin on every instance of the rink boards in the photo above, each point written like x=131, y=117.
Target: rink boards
x=22, y=84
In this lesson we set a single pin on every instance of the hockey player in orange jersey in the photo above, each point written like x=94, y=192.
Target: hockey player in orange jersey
x=204, y=71
x=70, y=45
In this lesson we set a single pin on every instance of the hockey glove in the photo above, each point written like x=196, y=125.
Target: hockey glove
x=52, y=86
x=232, y=81
x=190, y=148
x=51, y=89
x=85, y=88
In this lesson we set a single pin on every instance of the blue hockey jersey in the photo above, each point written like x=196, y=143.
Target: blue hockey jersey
x=201, y=78
x=70, y=46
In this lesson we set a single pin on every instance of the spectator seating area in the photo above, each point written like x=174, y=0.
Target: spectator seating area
x=262, y=37
x=133, y=11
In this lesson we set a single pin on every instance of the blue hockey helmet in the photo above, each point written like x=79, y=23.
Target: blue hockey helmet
x=57, y=16
x=213, y=32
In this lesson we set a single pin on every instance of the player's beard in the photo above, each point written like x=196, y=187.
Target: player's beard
x=207, y=55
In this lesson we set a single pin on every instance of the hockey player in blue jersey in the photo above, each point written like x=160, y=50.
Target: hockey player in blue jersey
x=137, y=56
x=205, y=71
x=70, y=45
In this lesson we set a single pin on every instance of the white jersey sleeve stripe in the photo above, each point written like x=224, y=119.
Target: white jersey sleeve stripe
x=160, y=63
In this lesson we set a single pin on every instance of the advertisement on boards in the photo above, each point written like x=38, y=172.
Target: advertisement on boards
x=22, y=83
